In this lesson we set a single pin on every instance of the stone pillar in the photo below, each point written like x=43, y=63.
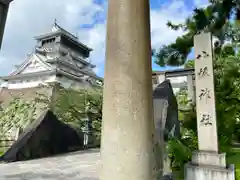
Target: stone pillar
x=127, y=129
x=207, y=163
x=160, y=118
x=161, y=78
x=4, y=5
x=205, y=100
x=191, y=91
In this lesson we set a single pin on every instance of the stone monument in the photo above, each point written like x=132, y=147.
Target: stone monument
x=166, y=121
x=127, y=150
x=207, y=163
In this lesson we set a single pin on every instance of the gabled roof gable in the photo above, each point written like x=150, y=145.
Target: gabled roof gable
x=31, y=61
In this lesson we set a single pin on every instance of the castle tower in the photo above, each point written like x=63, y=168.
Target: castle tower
x=59, y=57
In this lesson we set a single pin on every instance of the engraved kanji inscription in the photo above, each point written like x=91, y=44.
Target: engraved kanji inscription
x=204, y=93
x=203, y=54
x=203, y=72
x=206, y=120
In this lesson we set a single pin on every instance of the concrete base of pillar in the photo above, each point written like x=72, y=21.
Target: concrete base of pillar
x=209, y=158
x=204, y=172
x=209, y=166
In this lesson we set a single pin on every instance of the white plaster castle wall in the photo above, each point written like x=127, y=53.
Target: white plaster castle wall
x=67, y=83
x=69, y=70
x=44, y=80
x=28, y=83
x=32, y=68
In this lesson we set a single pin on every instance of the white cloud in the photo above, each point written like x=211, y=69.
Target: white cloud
x=175, y=12
x=201, y=3
x=95, y=38
x=28, y=18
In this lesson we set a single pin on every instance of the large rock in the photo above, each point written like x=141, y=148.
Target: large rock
x=166, y=122
x=46, y=136
x=166, y=110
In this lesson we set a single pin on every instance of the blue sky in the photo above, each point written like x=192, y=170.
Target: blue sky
x=156, y=5
x=85, y=18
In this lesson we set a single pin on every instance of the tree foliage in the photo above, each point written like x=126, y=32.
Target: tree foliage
x=78, y=107
x=71, y=106
x=227, y=95
x=214, y=18
x=226, y=77
x=189, y=64
x=227, y=87
x=18, y=114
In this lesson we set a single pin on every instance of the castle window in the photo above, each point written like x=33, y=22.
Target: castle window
x=48, y=41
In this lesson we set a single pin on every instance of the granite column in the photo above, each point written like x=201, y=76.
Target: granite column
x=127, y=132
x=4, y=6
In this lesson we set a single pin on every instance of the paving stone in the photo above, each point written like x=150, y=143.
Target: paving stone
x=82, y=165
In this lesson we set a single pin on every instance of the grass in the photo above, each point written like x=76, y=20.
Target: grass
x=2, y=151
x=234, y=158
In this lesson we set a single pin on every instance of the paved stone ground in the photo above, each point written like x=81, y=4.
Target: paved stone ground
x=82, y=165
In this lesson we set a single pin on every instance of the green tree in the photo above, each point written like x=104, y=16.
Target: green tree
x=77, y=107
x=73, y=107
x=18, y=114
x=227, y=92
x=227, y=87
x=189, y=64
x=214, y=18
